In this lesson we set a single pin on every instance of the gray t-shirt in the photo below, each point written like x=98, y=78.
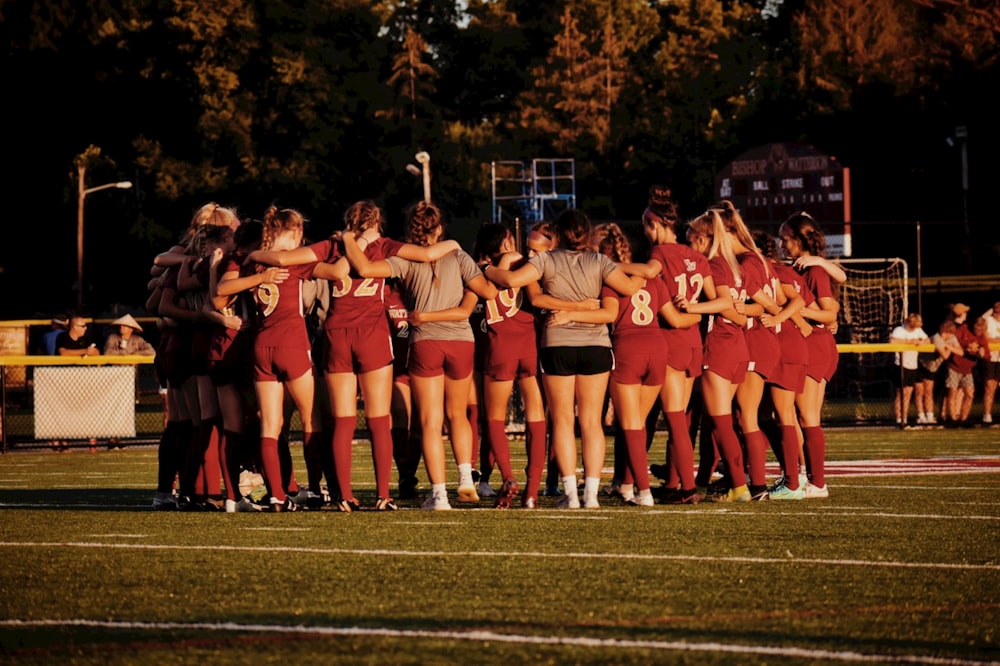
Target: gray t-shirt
x=573, y=276
x=425, y=294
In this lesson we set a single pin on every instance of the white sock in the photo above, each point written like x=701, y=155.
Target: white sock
x=648, y=492
x=569, y=485
x=591, y=484
x=439, y=489
x=465, y=474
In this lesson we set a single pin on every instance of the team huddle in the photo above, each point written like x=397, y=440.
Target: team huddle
x=257, y=325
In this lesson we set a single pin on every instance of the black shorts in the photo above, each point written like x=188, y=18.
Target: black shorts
x=567, y=361
x=909, y=377
x=991, y=370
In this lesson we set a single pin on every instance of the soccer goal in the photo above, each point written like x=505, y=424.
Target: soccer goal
x=873, y=301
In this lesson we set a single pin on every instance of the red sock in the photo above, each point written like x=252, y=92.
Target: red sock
x=815, y=449
x=790, y=456
x=729, y=448
x=534, y=441
x=312, y=451
x=380, y=430
x=757, y=446
x=638, y=461
x=472, y=411
x=496, y=432
x=343, y=435
x=681, y=450
x=272, y=467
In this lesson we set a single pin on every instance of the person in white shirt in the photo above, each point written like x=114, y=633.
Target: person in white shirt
x=991, y=365
x=910, y=332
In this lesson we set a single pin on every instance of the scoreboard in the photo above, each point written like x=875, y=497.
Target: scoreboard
x=769, y=183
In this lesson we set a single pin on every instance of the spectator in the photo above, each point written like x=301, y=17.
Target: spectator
x=76, y=340
x=59, y=325
x=910, y=332
x=128, y=339
x=961, y=382
x=991, y=366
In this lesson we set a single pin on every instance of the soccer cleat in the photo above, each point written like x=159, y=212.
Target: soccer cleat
x=569, y=502
x=737, y=495
x=315, y=502
x=407, y=488
x=783, y=492
x=165, y=502
x=810, y=491
x=283, y=506
x=467, y=494
x=613, y=489
x=385, y=504
x=486, y=490
x=507, y=494
x=551, y=490
x=436, y=503
x=760, y=494
x=301, y=496
x=348, y=505
x=641, y=500
x=686, y=497
x=529, y=502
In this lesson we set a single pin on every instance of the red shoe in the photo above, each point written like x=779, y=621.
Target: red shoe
x=507, y=494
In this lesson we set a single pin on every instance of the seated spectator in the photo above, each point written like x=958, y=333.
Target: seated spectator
x=127, y=339
x=59, y=325
x=76, y=341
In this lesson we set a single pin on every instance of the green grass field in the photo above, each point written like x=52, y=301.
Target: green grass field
x=900, y=565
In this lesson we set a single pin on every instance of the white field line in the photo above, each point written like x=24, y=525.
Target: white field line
x=508, y=555
x=490, y=636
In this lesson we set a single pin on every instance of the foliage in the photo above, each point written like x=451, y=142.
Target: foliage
x=317, y=102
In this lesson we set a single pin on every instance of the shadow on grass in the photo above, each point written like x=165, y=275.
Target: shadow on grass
x=92, y=499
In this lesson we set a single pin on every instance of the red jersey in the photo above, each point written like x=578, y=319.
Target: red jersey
x=967, y=363
x=280, y=317
x=397, y=312
x=356, y=302
x=793, y=344
x=761, y=340
x=684, y=271
x=510, y=325
x=637, y=325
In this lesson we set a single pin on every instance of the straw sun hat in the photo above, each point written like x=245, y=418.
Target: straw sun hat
x=127, y=320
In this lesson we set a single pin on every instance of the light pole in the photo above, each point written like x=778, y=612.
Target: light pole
x=425, y=170
x=82, y=193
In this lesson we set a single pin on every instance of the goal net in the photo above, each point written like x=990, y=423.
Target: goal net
x=873, y=301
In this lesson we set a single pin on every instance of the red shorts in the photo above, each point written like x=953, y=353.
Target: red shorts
x=789, y=376
x=514, y=368
x=641, y=365
x=823, y=355
x=430, y=358
x=765, y=352
x=727, y=358
x=684, y=352
x=280, y=364
x=358, y=350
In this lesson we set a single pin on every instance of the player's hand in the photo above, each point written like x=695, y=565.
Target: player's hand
x=275, y=275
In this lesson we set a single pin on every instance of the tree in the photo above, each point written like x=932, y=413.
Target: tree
x=411, y=77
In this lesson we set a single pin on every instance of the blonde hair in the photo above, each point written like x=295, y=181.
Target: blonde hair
x=363, y=215
x=609, y=239
x=711, y=225
x=276, y=221
x=423, y=218
x=209, y=215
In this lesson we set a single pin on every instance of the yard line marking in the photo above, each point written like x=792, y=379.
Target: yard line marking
x=583, y=556
x=491, y=636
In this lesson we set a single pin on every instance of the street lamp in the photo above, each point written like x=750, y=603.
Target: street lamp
x=82, y=193
x=423, y=170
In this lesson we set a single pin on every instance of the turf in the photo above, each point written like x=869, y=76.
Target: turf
x=892, y=568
